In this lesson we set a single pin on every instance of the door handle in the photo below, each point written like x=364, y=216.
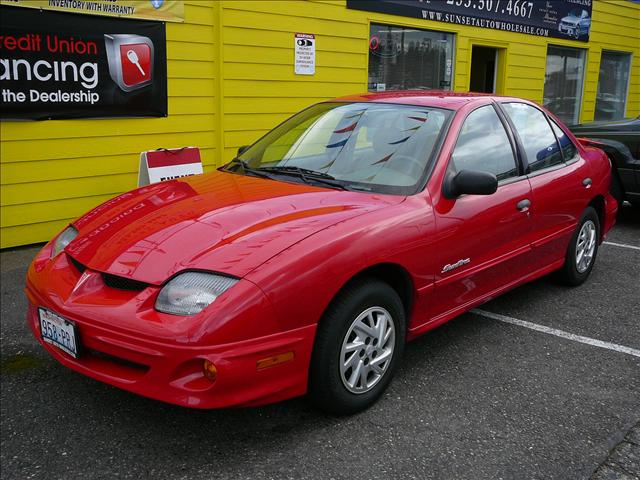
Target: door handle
x=587, y=182
x=523, y=205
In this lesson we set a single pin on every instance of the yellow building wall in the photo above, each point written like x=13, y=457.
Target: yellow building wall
x=53, y=171
x=261, y=89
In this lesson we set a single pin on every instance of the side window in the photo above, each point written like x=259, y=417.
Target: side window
x=568, y=148
x=483, y=145
x=538, y=140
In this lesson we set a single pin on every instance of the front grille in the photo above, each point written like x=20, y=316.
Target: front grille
x=122, y=283
x=117, y=360
x=80, y=267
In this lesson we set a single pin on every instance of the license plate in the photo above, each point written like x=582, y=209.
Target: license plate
x=58, y=331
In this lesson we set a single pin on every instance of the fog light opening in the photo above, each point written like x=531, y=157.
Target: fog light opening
x=209, y=370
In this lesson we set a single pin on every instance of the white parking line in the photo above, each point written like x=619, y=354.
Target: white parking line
x=558, y=333
x=623, y=245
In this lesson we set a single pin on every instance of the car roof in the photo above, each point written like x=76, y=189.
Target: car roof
x=425, y=98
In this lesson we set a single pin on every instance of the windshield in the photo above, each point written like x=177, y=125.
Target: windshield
x=367, y=146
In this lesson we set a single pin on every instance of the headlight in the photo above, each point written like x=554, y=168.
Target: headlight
x=64, y=239
x=192, y=292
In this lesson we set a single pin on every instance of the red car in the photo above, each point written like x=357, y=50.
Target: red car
x=305, y=264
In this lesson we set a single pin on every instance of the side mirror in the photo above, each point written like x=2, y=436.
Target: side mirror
x=242, y=149
x=470, y=182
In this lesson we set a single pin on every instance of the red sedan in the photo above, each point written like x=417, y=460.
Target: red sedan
x=305, y=264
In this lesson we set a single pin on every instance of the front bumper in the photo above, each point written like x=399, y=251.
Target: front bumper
x=568, y=29
x=165, y=370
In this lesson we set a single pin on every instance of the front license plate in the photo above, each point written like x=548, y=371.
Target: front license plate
x=58, y=331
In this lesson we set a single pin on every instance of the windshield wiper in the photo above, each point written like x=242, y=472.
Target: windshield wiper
x=248, y=170
x=298, y=171
x=307, y=175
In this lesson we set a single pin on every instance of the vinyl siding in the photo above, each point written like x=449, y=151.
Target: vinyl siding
x=261, y=89
x=53, y=171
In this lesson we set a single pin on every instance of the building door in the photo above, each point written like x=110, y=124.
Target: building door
x=484, y=65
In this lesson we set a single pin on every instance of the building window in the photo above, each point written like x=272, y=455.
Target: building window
x=611, y=99
x=404, y=58
x=563, y=82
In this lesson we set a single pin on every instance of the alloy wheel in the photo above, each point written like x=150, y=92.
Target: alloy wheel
x=586, y=246
x=367, y=350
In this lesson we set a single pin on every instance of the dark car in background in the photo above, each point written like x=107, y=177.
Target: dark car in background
x=621, y=140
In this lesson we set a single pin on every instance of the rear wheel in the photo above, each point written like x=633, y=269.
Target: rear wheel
x=359, y=343
x=582, y=251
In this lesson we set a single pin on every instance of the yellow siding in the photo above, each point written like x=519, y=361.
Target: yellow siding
x=54, y=171
x=260, y=88
x=51, y=172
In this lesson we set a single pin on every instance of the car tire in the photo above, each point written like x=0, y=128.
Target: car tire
x=582, y=251
x=343, y=350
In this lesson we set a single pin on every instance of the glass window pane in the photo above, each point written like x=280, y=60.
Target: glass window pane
x=405, y=58
x=568, y=148
x=612, y=85
x=538, y=140
x=383, y=147
x=483, y=145
x=563, y=82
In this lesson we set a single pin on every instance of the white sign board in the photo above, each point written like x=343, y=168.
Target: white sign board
x=305, y=61
x=168, y=164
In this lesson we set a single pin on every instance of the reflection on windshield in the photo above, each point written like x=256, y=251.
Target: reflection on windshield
x=383, y=146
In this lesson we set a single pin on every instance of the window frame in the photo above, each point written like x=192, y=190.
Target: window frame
x=584, y=52
x=626, y=92
x=577, y=155
x=408, y=26
x=520, y=171
x=525, y=160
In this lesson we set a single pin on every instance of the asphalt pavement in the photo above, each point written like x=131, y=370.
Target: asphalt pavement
x=477, y=398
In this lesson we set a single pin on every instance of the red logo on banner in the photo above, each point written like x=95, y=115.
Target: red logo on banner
x=136, y=63
x=130, y=60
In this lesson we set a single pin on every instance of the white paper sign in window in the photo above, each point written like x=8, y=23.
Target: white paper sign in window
x=305, y=57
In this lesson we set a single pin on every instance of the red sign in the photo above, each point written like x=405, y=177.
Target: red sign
x=136, y=63
x=168, y=164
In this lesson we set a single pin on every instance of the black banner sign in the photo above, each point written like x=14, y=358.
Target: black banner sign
x=569, y=19
x=63, y=65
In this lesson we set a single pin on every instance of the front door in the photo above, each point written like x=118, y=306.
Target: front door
x=483, y=241
x=484, y=66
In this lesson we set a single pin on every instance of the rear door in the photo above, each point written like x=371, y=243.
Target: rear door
x=482, y=241
x=560, y=179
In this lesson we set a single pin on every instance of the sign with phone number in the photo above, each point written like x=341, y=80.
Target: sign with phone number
x=570, y=19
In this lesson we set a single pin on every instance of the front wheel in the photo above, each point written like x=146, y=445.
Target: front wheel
x=359, y=343
x=582, y=251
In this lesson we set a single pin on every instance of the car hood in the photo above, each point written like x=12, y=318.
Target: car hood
x=221, y=222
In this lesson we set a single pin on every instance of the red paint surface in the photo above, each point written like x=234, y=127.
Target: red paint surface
x=294, y=247
x=177, y=156
x=131, y=74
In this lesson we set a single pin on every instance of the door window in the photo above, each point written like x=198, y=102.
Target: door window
x=483, y=145
x=569, y=150
x=537, y=138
